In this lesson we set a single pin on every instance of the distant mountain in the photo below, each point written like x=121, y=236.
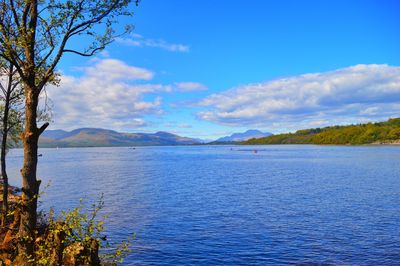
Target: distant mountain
x=203, y=141
x=249, y=134
x=55, y=134
x=95, y=137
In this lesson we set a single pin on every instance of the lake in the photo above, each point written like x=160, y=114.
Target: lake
x=227, y=205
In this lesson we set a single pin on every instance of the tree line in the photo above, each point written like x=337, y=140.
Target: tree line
x=380, y=132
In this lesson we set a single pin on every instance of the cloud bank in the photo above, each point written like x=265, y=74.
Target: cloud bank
x=353, y=94
x=104, y=96
x=111, y=94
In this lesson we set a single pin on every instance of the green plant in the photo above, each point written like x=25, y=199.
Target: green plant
x=76, y=237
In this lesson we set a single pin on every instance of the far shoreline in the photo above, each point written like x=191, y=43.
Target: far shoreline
x=395, y=144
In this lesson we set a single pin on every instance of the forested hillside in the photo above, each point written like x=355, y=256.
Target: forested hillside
x=381, y=132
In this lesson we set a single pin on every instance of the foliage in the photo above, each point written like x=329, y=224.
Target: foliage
x=77, y=230
x=381, y=132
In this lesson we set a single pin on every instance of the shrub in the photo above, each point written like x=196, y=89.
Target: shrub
x=76, y=237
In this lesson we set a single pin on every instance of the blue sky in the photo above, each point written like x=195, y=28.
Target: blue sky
x=210, y=68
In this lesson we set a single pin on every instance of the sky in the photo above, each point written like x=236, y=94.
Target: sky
x=207, y=68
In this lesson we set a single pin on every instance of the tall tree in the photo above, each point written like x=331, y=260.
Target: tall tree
x=43, y=29
x=11, y=122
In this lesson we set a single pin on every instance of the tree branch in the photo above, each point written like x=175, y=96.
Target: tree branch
x=43, y=128
x=2, y=89
x=25, y=17
x=96, y=19
x=84, y=54
x=15, y=15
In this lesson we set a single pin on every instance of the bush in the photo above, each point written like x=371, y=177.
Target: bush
x=76, y=237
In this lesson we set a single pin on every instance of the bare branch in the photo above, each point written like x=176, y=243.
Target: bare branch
x=96, y=19
x=25, y=16
x=43, y=128
x=3, y=89
x=84, y=54
x=15, y=15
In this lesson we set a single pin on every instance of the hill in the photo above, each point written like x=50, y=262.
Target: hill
x=95, y=137
x=249, y=134
x=371, y=133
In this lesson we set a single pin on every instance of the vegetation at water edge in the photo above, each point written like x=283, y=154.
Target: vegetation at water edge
x=387, y=132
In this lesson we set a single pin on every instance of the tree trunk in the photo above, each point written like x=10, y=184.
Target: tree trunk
x=30, y=185
x=4, y=147
x=3, y=164
x=30, y=138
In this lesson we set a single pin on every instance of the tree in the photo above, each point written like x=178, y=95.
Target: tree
x=11, y=123
x=43, y=30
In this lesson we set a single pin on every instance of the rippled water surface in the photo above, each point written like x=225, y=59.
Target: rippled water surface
x=219, y=205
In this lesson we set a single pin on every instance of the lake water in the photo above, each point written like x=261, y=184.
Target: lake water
x=226, y=205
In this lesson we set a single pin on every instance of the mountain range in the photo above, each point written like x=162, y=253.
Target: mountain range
x=249, y=134
x=95, y=137
x=98, y=137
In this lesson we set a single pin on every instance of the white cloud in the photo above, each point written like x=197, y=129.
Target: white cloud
x=105, y=97
x=357, y=93
x=178, y=125
x=190, y=86
x=136, y=122
x=370, y=111
x=111, y=69
x=140, y=41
